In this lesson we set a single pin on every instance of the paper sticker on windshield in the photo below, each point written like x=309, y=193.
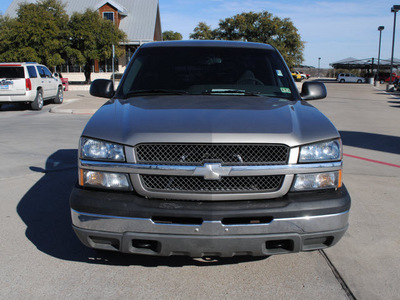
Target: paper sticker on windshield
x=279, y=73
x=286, y=90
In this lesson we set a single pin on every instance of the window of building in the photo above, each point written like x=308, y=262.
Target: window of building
x=106, y=65
x=108, y=16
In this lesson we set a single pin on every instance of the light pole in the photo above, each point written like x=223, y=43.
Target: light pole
x=394, y=9
x=380, y=28
x=319, y=61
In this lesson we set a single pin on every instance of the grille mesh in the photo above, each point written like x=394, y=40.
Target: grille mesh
x=226, y=154
x=200, y=185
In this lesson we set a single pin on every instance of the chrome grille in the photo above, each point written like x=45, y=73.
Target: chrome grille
x=198, y=154
x=196, y=184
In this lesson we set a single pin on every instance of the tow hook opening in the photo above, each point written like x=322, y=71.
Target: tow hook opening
x=285, y=245
x=105, y=243
x=318, y=243
x=154, y=246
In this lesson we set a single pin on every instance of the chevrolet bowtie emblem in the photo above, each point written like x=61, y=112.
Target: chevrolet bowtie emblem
x=212, y=171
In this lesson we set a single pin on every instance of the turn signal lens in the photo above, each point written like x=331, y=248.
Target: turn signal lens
x=115, y=181
x=317, y=181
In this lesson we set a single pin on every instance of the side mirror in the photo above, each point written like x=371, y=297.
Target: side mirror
x=313, y=90
x=102, y=88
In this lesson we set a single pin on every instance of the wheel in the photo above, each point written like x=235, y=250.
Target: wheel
x=37, y=104
x=60, y=96
x=382, y=81
x=359, y=81
x=341, y=81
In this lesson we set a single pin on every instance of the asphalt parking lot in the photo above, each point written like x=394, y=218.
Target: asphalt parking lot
x=42, y=258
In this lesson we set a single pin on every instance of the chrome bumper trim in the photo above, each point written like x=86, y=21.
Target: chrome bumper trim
x=178, y=170
x=303, y=225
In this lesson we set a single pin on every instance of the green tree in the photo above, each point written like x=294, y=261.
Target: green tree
x=170, y=35
x=92, y=38
x=38, y=33
x=260, y=27
x=203, y=32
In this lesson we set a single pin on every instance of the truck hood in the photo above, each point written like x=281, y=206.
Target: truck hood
x=209, y=119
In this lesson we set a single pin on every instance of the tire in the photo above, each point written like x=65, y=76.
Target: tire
x=341, y=81
x=37, y=104
x=359, y=81
x=60, y=96
x=382, y=81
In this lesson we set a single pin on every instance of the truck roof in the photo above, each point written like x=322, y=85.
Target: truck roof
x=197, y=43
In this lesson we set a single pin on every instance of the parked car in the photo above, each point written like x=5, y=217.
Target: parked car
x=29, y=83
x=207, y=148
x=387, y=78
x=64, y=81
x=297, y=76
x=307, y=76
x=348, y=77
x=302, y=75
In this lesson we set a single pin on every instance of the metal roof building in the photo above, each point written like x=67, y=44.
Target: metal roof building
x=367, y=63
x=139, y=19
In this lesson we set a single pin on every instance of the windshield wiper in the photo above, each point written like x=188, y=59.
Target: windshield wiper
x=231, y=92
x=156, y=91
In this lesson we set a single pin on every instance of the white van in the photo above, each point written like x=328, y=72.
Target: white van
x=348, y=77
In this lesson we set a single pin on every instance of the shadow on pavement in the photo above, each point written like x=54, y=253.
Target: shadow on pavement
x=20, y=106
x=330, y=80
x=14, y=107
x=46, y=213
x=371, y=141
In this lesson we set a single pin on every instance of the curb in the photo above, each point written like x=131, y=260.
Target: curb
x=72, y=111
x=77, y=111
x=85, y=87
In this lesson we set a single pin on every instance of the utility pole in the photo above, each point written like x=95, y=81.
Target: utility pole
x=380, y=28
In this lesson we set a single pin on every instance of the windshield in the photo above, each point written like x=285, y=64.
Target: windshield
x=207, y=70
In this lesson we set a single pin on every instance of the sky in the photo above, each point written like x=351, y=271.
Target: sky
x=331, y=30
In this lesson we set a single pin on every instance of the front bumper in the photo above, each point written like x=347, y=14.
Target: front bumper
x=132, y=224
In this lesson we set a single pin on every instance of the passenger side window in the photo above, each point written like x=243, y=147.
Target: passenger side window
x=32, y=71
x=47, y=72
x=41, y=72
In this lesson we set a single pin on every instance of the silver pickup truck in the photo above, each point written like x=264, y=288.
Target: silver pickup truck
x=208, y=149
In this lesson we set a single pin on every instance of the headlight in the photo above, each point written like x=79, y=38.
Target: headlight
x=327, y=180
x=95, y=149
x=323, y=151
x=96, y=179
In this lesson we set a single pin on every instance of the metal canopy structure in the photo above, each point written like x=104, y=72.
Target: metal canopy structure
x=367, y=63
